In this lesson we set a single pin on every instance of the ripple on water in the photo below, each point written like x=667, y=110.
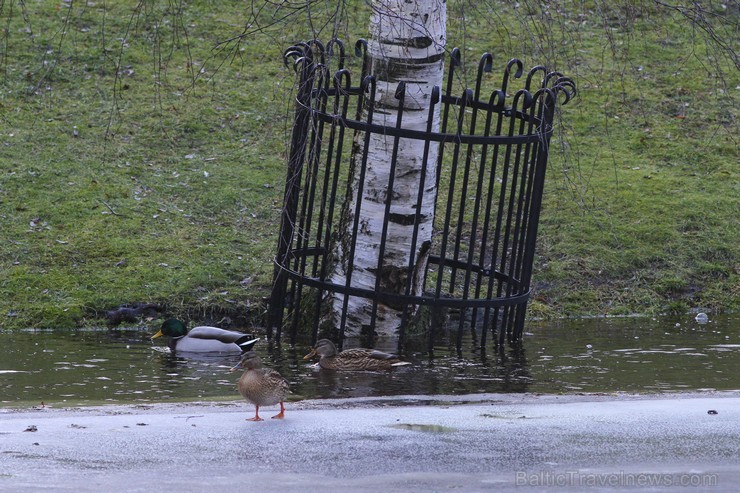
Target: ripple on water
x=597, y=355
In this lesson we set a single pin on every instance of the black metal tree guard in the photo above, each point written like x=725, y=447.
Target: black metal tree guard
x=493, y=155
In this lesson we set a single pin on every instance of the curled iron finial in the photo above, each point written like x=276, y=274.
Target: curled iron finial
x=295, y=52
x=330, y=50
x=455, y=61
x=497, y=100
x=507, y=72
x=566, y=86
x=550, y=76
x=530, y=75
x=301, y=61
x=342, y=79
x=544, y=93
x=455, y=58
x=318, y=48
x=400, y=90
x=301, y=47
x=466, y=99
x=361, y=52
x=368, y=83
x=360, y=47
x=522, y=94
x=519, y=67
x=436, y=94
x=546, y=108
x=484, y=65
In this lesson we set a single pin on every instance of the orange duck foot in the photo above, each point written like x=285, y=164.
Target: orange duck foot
x=256, y=415
x=281, y=414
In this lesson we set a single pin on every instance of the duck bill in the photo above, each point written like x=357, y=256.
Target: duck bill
x=158, y=334
x=247, y=346
x=310, y=355
x=234, y=368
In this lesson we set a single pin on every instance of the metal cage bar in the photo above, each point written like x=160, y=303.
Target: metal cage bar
x=492, y=157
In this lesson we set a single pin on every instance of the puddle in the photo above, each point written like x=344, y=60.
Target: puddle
x=424, y=428
x=62, y=367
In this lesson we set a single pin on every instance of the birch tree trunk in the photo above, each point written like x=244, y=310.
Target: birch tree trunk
x=407, y=43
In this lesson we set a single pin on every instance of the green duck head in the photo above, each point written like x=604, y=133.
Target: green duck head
x=173, y=328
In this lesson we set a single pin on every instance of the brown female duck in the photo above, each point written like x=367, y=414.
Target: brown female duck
x=261, y=386
x=357, y=359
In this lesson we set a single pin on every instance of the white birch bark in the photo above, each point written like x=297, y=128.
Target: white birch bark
x=407, y=44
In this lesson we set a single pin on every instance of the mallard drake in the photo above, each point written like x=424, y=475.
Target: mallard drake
x=261, y=386
x=204, y=339
x=352, y=359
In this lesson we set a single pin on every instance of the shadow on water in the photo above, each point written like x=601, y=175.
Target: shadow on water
x=64, y=367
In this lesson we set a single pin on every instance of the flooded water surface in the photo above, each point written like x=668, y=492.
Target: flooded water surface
x=62, y=367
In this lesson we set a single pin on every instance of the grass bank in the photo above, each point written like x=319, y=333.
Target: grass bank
x=142, y=157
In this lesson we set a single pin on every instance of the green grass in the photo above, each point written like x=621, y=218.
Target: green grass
x=171, y=190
